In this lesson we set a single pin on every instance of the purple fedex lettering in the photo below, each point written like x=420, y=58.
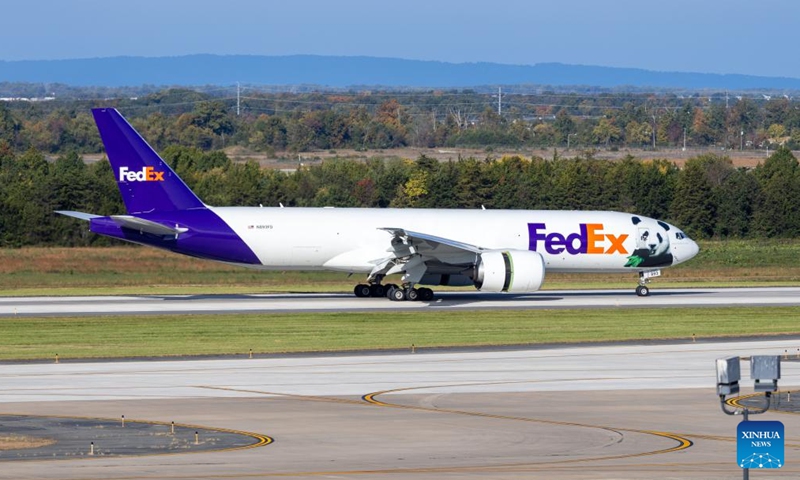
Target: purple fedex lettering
x=534, y=236
x=555, y=243
x=580, y=238
x=589, y=240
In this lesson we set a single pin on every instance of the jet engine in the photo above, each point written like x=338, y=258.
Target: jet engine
x=514, y=271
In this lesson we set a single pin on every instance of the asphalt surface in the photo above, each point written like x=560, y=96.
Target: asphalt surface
x=616, y=411
x=452, y=301
x=78, y=437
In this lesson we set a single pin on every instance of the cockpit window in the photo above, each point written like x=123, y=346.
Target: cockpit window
x=680, y=236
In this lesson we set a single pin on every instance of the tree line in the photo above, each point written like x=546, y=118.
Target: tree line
x=297, y=122
x=708, y=197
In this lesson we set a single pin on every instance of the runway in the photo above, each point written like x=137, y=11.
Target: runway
x=579, y=412
x=275, y=303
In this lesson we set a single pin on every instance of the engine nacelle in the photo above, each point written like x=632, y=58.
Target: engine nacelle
x=515, y=271
x=449, y=280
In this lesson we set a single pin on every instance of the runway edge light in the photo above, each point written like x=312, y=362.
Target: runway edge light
x=728, y=376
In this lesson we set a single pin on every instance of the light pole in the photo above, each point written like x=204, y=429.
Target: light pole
x=684, y=139
x=568, y=137
x=654, y=131
x=741, y=140
x=766, y=371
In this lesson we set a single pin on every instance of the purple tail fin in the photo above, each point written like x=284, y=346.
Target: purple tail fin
x=145, y=181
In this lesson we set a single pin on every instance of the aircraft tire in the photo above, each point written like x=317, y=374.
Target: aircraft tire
x=642, y=291
x=425, y=294
x=396, y=294
x=362, y=290
x=377, y=290
x=412, y=294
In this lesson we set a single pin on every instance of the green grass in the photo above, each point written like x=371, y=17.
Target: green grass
x=166, y=335
x=140, y=270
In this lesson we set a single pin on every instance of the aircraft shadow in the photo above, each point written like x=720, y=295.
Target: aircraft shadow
x=449, y=297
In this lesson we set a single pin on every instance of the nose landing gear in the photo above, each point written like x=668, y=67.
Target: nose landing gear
x=642, y=289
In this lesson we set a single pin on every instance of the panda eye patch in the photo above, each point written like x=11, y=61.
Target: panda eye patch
x=660, y=239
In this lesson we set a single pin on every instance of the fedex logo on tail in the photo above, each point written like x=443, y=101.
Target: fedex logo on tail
x=146, y=174
x=589, y=239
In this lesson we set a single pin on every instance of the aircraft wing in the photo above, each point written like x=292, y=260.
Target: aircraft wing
x=430, y=245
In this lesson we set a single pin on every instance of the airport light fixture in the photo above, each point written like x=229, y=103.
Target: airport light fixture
x=765, y=370
x=728, y=376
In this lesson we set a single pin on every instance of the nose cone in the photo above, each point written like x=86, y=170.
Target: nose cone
x=693, y=249
x=685, y=251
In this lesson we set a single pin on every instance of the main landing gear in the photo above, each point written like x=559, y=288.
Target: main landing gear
x=394, y=292
x=399, y=294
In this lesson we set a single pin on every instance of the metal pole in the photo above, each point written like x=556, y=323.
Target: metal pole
x=654, y=131
x=745, y=471
x=499, y=101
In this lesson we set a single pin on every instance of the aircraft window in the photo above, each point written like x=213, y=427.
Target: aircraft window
x=680, y=235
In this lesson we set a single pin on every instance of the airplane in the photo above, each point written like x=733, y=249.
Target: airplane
x=492, y=250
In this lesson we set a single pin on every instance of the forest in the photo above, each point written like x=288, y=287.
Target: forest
x=708, y=197
x=282, y=123
x=42, y=144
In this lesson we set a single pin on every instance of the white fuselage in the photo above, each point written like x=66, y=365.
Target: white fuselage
x=351, y=239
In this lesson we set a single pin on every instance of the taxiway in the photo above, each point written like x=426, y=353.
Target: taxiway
x=568, y=412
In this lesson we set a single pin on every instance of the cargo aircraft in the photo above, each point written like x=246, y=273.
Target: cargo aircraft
x=492, y=250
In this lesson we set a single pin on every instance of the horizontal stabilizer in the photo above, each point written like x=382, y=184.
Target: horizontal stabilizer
x=79, y=215
x=142, y=225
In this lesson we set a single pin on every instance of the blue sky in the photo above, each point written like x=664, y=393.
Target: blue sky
x=715, y=36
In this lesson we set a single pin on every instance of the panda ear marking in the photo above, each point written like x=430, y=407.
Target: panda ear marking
x=636, y=220
x=663, y=225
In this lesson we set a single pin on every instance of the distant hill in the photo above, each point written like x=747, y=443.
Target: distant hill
x=359, y=71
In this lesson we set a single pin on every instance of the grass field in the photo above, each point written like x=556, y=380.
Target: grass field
x=132, y=270
x=138, y=270
x=166, y=335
